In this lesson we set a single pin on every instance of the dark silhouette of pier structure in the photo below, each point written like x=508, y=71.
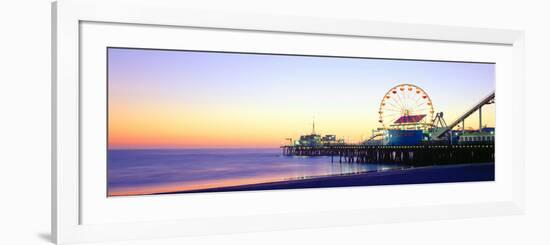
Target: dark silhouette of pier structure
x=411, y=155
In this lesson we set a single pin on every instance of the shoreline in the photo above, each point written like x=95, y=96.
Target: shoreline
x=469, y=172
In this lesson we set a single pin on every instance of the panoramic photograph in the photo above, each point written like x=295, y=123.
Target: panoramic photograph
x=186, y=121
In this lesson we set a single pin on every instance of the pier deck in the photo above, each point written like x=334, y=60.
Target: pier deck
x=413, y=155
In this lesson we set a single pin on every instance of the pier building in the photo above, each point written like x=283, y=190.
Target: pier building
x=316, y=140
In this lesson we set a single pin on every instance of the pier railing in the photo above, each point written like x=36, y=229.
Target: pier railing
x=412, y=155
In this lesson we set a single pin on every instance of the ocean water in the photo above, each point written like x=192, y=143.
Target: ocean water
x=134, y=172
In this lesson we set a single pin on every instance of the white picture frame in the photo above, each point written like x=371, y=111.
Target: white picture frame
x=67, y=191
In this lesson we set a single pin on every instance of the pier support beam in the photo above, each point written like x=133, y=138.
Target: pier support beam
x=414, y=155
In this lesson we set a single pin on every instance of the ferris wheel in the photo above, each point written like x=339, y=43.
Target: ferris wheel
x=406, y=106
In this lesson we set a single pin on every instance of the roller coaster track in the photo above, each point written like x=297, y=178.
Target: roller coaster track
x=372, y=137
x=486, y=100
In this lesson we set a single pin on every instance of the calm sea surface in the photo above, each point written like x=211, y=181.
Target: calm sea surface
x=133, y=172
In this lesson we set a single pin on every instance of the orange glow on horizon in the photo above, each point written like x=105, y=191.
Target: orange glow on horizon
x=162, y=130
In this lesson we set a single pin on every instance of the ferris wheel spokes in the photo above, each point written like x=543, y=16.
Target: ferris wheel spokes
x=406, y=105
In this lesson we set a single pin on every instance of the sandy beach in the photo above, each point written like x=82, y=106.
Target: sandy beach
x=430, y=174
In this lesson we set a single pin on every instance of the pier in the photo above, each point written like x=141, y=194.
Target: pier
x=414, y=155
x=409, y=134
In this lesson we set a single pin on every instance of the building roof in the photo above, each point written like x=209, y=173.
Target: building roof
x=410, y=119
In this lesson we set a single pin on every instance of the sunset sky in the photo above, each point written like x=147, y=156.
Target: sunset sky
x=183, y=99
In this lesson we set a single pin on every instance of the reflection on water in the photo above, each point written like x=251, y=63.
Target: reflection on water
x=151, y=171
